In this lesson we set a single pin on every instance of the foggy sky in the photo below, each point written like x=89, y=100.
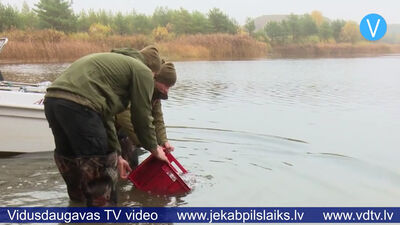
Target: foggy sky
x=334, y=9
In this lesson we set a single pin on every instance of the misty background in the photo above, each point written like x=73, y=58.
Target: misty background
x=240, y=10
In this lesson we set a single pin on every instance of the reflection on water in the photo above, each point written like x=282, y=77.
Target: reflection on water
x=32, y=73
x=314, y=132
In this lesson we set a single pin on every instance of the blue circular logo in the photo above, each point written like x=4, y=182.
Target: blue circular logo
x=373, y=27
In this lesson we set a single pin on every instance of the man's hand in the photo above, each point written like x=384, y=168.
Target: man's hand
x=168, y=147
x=123, y=168
x=160, y=154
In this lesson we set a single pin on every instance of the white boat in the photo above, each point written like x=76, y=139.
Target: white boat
x=23, y=125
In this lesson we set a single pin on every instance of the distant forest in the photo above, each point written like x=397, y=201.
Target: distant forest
x=166, y=23
x=52, y=31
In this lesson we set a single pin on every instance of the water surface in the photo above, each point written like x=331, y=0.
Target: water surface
x=284, y=132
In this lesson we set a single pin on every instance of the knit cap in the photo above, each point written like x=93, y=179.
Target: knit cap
x=167, y=74
x=152, y=58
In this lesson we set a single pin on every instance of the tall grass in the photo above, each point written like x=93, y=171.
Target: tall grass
x=333, y=49
x=181, y=51
x=64, y=51
x=217, y=46
x=54, y=46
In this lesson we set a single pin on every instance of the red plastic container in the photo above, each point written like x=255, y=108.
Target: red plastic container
x=159, y=177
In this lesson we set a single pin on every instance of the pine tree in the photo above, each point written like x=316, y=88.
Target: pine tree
x=221, y=23
x=250, y=26
x=56, y=14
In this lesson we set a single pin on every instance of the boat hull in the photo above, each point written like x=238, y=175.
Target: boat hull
x=23, y=125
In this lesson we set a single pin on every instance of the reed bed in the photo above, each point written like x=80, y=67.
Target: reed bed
x=55, y=46
x=333, y=49
x=223, y=46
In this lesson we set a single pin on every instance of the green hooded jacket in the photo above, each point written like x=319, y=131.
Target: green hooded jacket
x=108, y=82
x=123, y=120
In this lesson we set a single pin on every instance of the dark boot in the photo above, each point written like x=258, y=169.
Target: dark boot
x=70, y=172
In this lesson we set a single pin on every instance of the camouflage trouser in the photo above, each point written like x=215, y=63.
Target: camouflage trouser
x=92, y=179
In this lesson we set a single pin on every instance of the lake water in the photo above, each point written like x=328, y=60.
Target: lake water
x=281, y=132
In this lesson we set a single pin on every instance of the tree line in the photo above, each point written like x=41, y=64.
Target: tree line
x=310, y=28
x=166, y=23
x=58, y=15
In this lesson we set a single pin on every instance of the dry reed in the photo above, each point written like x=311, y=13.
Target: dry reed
x=333, y=49
x=54, y=46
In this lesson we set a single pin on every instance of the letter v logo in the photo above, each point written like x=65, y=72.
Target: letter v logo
x=376, y=27
x=373, y=27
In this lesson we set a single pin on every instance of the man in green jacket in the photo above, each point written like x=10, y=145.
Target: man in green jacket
x=164, y=80
x=80, y=106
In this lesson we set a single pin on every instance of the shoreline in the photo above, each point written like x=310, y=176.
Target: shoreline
x=49, y=46
x=271, y=56
x=334, y=50
x=215, y=47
